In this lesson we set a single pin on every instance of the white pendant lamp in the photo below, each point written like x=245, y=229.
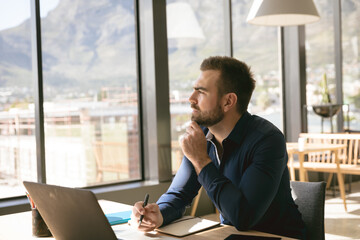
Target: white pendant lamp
x=182, y=22
x=282, y=12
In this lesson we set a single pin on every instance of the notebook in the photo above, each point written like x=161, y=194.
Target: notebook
x=118, y=217
x=187, y=225
x=73, y=214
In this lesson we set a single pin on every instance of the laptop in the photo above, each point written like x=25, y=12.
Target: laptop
x=70, y=213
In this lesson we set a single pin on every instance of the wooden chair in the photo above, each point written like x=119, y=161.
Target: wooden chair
x=111, y=157
x=177, y=154
x=196, y=202
x=349, y=157
x=324, y=161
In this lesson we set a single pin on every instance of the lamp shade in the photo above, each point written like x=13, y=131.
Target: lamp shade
x=282, y=12
x=182, y=22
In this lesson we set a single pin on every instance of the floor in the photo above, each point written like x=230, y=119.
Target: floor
x=339, y=224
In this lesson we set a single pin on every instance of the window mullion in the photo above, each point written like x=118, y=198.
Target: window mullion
x=38, y=84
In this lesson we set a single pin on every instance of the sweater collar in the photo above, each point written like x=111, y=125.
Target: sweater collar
x=236, y=135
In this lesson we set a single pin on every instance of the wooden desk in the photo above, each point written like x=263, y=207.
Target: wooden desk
x=321, y=166
x=18, y=226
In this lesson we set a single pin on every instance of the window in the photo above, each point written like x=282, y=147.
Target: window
x=195, y=32
x=257, y=46
x=351, y=60
x=17, y=136
x=320, y=60
x=90, y=93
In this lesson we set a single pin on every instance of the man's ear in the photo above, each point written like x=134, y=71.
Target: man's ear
x=230, y=100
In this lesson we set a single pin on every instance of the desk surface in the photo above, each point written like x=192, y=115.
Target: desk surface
x=18, y=226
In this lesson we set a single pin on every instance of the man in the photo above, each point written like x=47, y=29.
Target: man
x=240, y=159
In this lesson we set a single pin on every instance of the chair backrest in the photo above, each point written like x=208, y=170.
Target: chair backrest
x=310, y=198
x=351, y=156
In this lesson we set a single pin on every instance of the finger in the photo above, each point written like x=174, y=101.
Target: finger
x=196, y=127
x=190, y=130
x=135, y=213
x=184, y=138
x=138, y=208
x=138, y=205
x=142, y=227
x=145, y=228
x=147, y=225
x=148, y=222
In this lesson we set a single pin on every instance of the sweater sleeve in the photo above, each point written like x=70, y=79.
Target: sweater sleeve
x=180, y=194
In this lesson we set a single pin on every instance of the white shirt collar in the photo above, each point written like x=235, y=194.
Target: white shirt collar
x=209, y=136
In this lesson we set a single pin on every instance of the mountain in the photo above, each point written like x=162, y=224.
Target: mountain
x=85, y=44
x=90, y=44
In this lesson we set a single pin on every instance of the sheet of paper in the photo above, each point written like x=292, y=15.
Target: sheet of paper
x=112, y=207
x=126, y=232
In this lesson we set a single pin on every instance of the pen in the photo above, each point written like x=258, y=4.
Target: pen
x=144, y=205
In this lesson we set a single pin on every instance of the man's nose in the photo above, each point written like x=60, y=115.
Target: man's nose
x=192, y=98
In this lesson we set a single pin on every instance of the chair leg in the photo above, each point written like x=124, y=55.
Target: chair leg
x=328, y=183
x=292, y=169
x=292, y=174
x=342, y=189
x=196, y=203
x=306, y=176
x=302, y=171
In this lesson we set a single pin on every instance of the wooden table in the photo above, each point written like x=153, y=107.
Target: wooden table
x=307, y=148
x=18, y=226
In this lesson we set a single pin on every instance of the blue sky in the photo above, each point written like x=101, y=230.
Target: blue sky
x=15, y=12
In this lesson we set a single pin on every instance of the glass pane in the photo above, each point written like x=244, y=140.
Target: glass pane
x=90, y=92
x=258, y=47
x=195, y=32
x=320, y=60
x=351, y=61
x=17, y=136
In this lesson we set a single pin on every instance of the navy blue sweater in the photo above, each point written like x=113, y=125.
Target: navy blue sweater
x=249, y=186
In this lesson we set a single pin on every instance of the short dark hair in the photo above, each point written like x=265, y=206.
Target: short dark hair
x=235, y=77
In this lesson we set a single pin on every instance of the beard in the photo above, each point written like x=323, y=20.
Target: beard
x=208, y=118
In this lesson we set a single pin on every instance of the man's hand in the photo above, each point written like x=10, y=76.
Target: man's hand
x=193, y=145
x=152, y=216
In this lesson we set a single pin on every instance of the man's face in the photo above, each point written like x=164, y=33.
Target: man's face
x=205, y=101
